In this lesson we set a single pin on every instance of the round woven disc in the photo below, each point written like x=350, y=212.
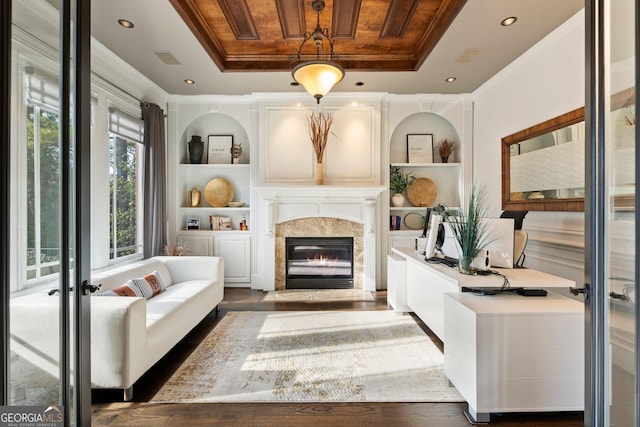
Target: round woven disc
x=218, y=192
x=422, y=192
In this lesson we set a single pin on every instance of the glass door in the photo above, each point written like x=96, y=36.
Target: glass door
x=612, y=214
x=45, y=255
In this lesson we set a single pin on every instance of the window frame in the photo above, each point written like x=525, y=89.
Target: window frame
x=127, y=133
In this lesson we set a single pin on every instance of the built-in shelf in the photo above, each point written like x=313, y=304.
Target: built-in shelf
x=422, y=165
x=206, y=231
x=407, y=208
x=406, y=232
x=216, y=165
x=226, y=208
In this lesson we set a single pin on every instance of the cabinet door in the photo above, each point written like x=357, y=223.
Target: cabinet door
x=236, y=251
x=198, y=245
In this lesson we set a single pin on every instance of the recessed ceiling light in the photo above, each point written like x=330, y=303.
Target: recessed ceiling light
x=508, y=21
x=125, y=23
x=189, y=81
x=359, y=83
x=450, y=79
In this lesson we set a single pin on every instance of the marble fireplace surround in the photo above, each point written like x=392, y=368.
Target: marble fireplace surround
x=320, y=227
x=319, y=211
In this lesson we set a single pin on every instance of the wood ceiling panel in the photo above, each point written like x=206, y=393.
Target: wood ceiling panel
x=398, y=16
x=411, y=29
x=239, y=18
x=291, y=14
x=345, y=18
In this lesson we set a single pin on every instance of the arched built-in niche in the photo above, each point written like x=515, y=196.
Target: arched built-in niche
x=423, y=123
x=215, y=124
x=447, y=177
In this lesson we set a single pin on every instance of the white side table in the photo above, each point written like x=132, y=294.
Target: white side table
x=509, y=353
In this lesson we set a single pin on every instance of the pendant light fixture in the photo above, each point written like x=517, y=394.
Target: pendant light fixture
x=318, y=75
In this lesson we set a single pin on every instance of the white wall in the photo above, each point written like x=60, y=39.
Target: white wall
x=545, y=82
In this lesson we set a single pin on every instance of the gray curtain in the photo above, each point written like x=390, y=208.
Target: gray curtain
x=155, y=182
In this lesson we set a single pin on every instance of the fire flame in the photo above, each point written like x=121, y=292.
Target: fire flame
x=323, y=260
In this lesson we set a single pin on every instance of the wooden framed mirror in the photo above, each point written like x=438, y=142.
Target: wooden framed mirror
x=543, y=166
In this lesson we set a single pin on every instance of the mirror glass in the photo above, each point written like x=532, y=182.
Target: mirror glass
x=543, y=166
x=549, y=166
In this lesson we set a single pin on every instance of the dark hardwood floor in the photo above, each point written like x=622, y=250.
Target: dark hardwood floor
x=109, y=410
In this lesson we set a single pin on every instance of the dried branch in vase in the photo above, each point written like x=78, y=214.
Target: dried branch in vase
x=176, y=250
x=446, y=147
x=319, y=126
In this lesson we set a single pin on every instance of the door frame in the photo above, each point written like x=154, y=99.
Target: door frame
x=75, y=132
x=597, y=361
x=5, y=164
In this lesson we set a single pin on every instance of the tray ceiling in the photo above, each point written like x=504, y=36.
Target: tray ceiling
x=369, y=35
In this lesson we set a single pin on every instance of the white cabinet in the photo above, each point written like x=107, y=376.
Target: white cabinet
x=397, y=283
x=426, y=288
x=236, y=250
x=508, y=353
x=196, y=244
x=233, y=246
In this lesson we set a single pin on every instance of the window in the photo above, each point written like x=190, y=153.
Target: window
x=42, y=181
x=125, y=185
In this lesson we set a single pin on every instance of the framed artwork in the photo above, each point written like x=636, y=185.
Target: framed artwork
x=193, y=223
x=420, y=148
x=219, y=151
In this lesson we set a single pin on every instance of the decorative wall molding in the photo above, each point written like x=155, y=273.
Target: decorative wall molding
x=286, y=156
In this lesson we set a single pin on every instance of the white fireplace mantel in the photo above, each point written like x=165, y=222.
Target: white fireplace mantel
x=356, y=204
x=279, y=204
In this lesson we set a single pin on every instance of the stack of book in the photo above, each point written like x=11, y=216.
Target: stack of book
x=219, y=223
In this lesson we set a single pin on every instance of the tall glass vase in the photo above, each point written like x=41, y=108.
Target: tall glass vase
x=319, y=173
x=464, y=265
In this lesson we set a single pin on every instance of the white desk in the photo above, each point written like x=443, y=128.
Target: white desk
x=509, y=353
x=426, y=284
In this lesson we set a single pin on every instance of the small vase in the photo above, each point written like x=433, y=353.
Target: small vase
x=397, y=200
x=194, y=198
x=196, y=147
x=236, y=152
x=445, y=159
x=319, y=173
x=464, y=265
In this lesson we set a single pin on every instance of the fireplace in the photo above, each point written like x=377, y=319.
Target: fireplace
x=319, y=262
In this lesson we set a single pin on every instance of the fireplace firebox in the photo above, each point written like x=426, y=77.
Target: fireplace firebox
x=319, y=262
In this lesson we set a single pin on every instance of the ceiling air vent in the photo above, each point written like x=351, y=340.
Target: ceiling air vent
x=468, y=55
x=166, y=57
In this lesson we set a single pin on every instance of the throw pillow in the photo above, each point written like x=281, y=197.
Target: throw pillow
x=147, y=287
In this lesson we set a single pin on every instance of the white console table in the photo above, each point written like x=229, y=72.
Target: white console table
x=427, y=283
x=509, y=353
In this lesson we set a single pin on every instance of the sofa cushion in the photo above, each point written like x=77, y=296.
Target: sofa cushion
x=115, y=277
x=147, y=287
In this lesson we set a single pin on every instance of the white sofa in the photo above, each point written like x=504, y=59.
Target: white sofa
x=128, y=334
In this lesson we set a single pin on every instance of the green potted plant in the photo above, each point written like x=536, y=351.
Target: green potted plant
x=399, y=181
x=468, y=229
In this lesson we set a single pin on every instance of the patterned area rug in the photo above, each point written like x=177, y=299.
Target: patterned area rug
x=312, y=356
x=318, y=295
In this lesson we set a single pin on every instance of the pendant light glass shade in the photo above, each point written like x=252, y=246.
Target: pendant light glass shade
x=318, y=77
